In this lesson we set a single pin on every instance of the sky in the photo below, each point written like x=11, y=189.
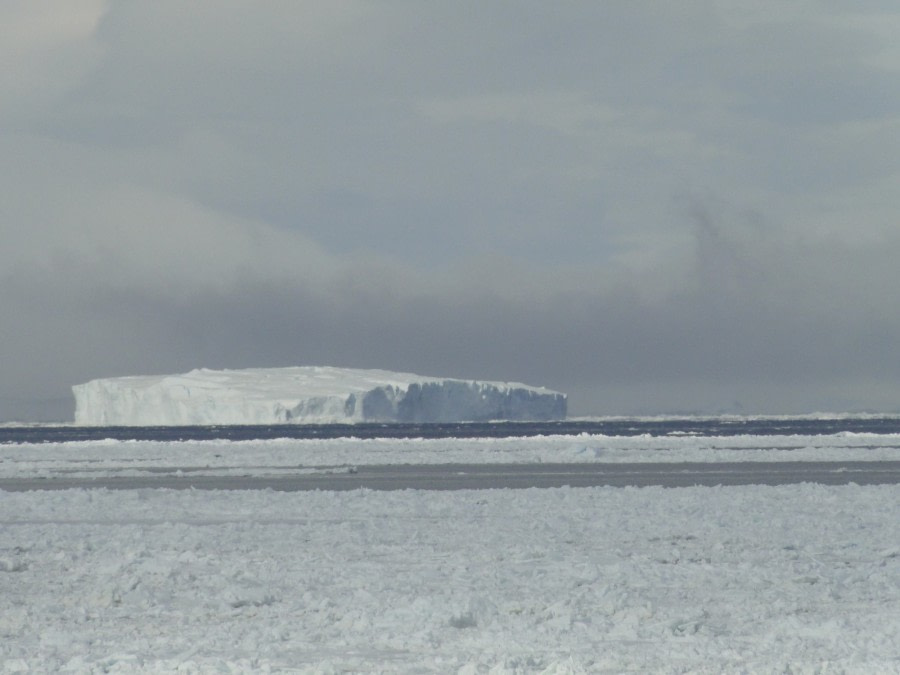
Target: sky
x=653, y=207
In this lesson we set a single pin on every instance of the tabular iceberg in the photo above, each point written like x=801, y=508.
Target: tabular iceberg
x=308, y=394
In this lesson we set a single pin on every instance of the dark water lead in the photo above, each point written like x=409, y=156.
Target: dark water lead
x=728, y=426
x=498, y=476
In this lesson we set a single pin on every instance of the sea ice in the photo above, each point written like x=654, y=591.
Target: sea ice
x=752, y=579
x=286, y=456
x=306, y=395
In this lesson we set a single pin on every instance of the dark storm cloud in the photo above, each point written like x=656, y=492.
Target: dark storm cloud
x=686, y=207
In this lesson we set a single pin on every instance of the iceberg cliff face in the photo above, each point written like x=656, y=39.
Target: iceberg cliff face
x=312, y=395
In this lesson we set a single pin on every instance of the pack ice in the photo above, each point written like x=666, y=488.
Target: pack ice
x=306, y=394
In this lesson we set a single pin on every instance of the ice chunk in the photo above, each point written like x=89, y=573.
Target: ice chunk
x=306, y=395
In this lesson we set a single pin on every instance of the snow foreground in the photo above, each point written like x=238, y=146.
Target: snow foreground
x=800, y=579
x=299, y=395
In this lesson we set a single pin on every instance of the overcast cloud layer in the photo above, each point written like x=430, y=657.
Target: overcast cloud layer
x=654, y=207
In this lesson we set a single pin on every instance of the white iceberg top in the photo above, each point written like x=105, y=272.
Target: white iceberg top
x=306, y=394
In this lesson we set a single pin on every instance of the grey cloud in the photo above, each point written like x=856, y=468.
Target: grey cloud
x=721, y=336
x=654, y=207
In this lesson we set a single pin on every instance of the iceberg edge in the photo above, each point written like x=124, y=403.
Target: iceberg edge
x=307, y=395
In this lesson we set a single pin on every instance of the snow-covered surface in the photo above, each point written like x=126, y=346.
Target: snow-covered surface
x=800, y=579
x=271, y=457
x=306, y=394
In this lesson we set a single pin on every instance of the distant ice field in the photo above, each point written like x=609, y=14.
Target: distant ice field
x=51, y=451
x=290, y=456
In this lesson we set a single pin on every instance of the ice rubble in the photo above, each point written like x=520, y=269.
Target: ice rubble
x=306, y=394
x=749, y=579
